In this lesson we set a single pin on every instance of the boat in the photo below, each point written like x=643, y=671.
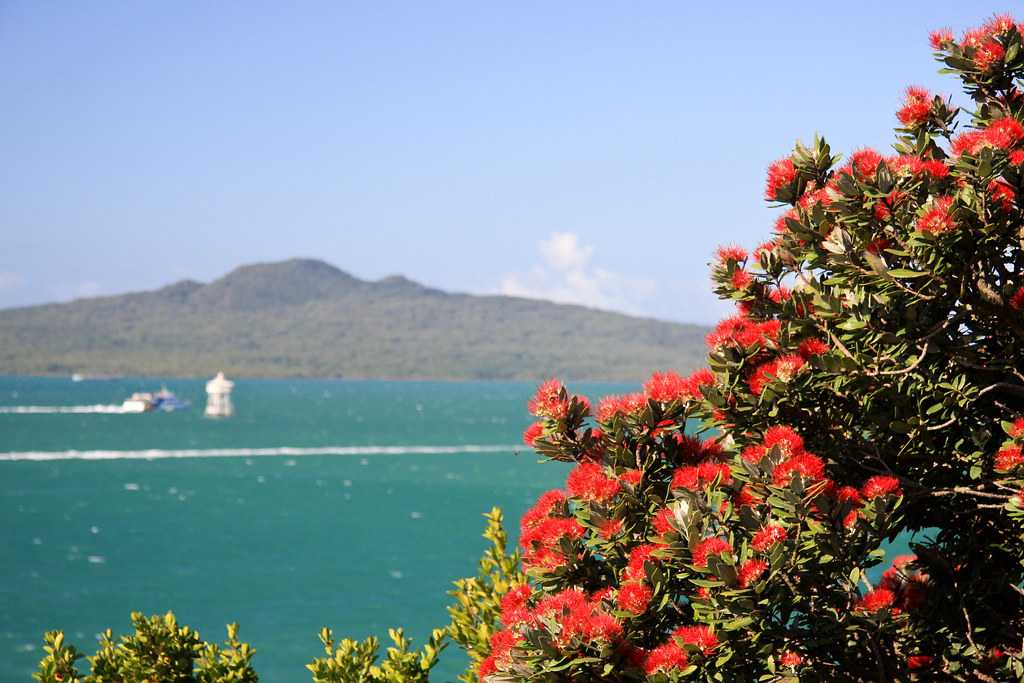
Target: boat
x=139, y=402
x=166, y=401
x=145, y=402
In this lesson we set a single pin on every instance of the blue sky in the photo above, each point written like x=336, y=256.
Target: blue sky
x=589, y=152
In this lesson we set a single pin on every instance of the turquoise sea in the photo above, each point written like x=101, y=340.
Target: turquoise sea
x=284, y=544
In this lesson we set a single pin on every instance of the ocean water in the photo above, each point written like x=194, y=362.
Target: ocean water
x=366, y=536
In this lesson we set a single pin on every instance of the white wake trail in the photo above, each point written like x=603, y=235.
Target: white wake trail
x=50, y=410
x=160, y=454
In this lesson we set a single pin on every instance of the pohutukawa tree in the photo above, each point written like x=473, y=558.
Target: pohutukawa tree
x=869, y=388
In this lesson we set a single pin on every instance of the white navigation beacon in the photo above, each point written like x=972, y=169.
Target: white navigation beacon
x=218, y=396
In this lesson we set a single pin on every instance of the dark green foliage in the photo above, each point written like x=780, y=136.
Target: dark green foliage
x=307, y=318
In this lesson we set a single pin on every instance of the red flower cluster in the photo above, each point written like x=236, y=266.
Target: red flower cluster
x=739, y=330
x=513, y=605
x=588, y=481
x=750, y=571
x=551, y=400
x=664, y=521
x=939, y=38
x=788, y=441
x=939, y=218
x=864, y=163
x=694, y=477
x=807, y=465
x=915, y=165
x=909, y=587
x=1017, y=300
x=790, y=659
x=767, y=537
x=918, y=662
x=1003, y=134
x=543, y=527
x=581, y=620
x=700, y=636
x=782, y=369
x=1008, y=458
x=726, y=254
x=879, y=486
x=634, y=597
x=708, y=547
x=532, y=432
x=638, y=557
x=611, y=407
x=666, y=658
x=812, y=347
x=1003, y=194
x=781, y=175
x=741, y=279
x=665, y=387
x=982, y=43
x=875, y=600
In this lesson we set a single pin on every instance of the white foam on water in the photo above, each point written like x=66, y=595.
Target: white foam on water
x=50, y=410
x=161, y=454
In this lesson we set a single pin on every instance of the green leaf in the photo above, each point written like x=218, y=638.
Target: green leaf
x=906, y=274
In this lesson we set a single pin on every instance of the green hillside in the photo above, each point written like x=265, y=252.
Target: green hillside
x=307, y=318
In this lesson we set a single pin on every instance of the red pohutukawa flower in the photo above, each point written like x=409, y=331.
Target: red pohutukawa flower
x=750, y=571
x=664, y=521
x=666, y=658
x=1001, y=134
x=918, y=662
x=768, y=537
x=1017, y=300
x=634, y=597
x=918, y=166
x=865, y=162
x=701, y=636
x=790, y=659
x=610, y=528
x=513, y=605
x=939, y=218
x=741, y=279
x=878, y=599
x=813, y=347
x=806, y=465
x=550, y=401
x=1008, y=459
x=666, y=387
x=532, y=432
x=1017, y=428
x=588, y=481
x=881, y=485
x=781, y=175
x=731, y=253
x=940, y=38
x=785, y=437
x=708, y=547
x=638, y=558
x=615, y=406
x=1003, y=195
x=782, y=369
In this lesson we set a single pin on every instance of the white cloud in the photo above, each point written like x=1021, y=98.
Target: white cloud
x=567, y=275
x=10, y=280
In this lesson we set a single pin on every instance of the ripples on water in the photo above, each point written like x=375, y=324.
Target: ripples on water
x=349, y=504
